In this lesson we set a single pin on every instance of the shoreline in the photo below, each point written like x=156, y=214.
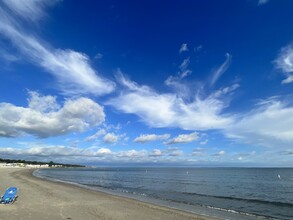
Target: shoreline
x=40, y=198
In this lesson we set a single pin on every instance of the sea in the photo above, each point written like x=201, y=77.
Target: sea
x=227, y=193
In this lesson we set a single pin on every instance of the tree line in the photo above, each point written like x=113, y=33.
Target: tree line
x=51, y=163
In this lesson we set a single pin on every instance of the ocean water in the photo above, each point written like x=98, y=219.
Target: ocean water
x=229, y=193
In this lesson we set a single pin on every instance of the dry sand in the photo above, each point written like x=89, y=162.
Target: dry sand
x=41, y=199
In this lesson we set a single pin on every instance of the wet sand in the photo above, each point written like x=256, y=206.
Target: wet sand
x=41, y=199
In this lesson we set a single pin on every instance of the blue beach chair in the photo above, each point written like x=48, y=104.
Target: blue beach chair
x=9, y=196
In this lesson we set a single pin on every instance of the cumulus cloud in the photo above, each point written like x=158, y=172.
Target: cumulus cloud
x=72, y=69
x=44, y=117
x=183, y=138
x=106, y=135
x=183, y=48
x=111, y=138
x=284, y=62
x=42, y=103
x=156, y=153
x=169, y=109
x=143, y=138
x=64, y=153
x=269, y=124
x=103, y=152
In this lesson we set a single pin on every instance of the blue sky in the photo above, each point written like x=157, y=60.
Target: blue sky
x=194, y=83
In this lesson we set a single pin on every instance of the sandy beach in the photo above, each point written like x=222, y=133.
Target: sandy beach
x=42, y=199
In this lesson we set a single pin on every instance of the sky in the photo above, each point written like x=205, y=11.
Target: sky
x=147, y=83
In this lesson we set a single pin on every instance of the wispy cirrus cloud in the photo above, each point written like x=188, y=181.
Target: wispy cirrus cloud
x=72, y=69
x=169, y=109
x=143, y=138
x=269, y=124
x=30, y=10
x=220, y=70
x=43, y=117
x=284, y=62
x=262, y=2
x=183, y=48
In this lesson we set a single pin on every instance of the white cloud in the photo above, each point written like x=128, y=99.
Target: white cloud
x=245, y=156
x=98, y=56
x=143, y=138
x=8, y=56
x=107, y=136
x=57, y=151
x=184, y=71
x=284, y=62
x=174, y=152
x=30, y=10
x=99, y=133
x=104, y=152
x=156, y=153
x=111, y=138
x=42, y=103
x=72, y=69
x=204, y=142
x=43, y=121
x=183, y=138
x=183, y=48
x=220, y=153
x=169, y=109
x=198, y=152
x=198, y=48
x=132, y=153
x=184, y=64
x=269, y=124
x=223, y=68
x=262, y=2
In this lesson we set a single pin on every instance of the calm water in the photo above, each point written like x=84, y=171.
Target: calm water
x=249, y=193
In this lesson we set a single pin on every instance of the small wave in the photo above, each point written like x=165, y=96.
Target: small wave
x=275, y=203
x=241, y=213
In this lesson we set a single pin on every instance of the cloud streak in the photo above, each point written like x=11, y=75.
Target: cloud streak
x=143, y=138
x=183, y=48
x=269, y=124
x=262, y=2
x=72, y=69
x=222, y=69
